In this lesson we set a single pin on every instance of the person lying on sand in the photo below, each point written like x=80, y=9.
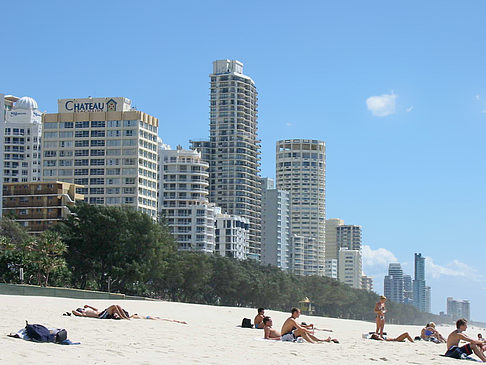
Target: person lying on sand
x=456, y=352
x=429, y=333
x=400, y=338
x=136, y=316
x=112, y=312
x=268, y=332
x=259, y=318
x=291, y=330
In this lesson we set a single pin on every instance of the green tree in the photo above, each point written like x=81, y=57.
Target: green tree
x=46, y=253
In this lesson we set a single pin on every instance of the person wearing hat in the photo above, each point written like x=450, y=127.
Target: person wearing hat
x=380, y=311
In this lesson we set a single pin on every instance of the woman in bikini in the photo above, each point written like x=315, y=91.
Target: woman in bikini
x=380, y=311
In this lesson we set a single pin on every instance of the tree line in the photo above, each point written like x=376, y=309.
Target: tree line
x=123, y=250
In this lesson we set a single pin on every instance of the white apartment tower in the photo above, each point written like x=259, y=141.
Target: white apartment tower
x=233, y=149
x=232, y=235
x=275, y=225
x=183, y=198
x=301, y=170
x=22, y=140
x=105, y=145
x=348, y=236
x=349, y=267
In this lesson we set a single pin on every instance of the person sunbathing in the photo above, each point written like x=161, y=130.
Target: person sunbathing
x=456, y=352
x=291, y=330
x=400, y=338
x=429, y=333
x=137, y=316
x=112, y=312
x=268, y=332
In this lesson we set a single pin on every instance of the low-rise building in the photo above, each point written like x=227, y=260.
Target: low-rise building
x=38, y=206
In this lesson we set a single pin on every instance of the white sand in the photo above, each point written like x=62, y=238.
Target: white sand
x=211, y=337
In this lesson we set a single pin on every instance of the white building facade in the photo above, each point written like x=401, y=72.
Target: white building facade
x=183, y=198
x=106, y=146
x=232, y=235
x=275, y=225
x=349, y=267
x=22, y=141
x=300, y=170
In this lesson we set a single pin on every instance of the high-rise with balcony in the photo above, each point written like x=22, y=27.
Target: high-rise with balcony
x=183, y=198
x=233, y=149
x=301, y=170
x=105, y=145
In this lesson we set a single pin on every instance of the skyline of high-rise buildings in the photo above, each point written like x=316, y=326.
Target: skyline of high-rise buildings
x=232, y=157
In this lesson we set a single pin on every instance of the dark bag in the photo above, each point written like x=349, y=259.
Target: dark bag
x=246, y=323
x=39, y=333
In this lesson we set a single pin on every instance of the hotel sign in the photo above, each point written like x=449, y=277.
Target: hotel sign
x=93, y=105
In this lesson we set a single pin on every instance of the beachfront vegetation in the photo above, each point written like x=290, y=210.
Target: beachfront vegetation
x=122, y=249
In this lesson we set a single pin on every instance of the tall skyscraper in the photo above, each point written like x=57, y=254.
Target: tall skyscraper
x=301, y=170
x=419, y=297
x=428, y=299
x=275, y=225
x=2, y=131
x=183, y=198
x=233, y=149
x=393, y=283
x=106, y=146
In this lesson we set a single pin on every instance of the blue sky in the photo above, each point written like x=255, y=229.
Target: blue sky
x=396, y=89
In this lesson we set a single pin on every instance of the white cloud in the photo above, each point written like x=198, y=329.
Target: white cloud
x=409, y=109
x=378, y=259
x=455, y=268
x=382, y=105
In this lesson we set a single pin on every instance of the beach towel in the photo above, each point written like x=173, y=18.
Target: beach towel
x=22, y=334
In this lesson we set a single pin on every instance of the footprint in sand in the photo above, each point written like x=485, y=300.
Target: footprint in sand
x=383, y=358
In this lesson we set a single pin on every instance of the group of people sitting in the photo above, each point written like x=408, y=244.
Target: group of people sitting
x=291, y=330
x=114, y=312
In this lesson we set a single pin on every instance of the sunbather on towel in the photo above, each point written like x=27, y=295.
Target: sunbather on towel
x=112, y=312
x=400, y=338
x=137, y=316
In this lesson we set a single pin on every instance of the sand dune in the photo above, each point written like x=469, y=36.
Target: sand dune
x=211, y=337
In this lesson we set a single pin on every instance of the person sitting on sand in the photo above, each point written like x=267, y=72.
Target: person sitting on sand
x=291, y=330
x=112, y=312
x=429, y=333
x=136, y=316
x=456, y=352
x=259, y=318
x=400, y=338
x=380, y=311
x=268, y=332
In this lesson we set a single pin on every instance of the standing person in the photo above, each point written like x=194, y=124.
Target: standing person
x=259, y=318
x=456, y=352
x=380, y=311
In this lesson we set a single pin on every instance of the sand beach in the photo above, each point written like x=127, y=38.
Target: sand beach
x=210, y=337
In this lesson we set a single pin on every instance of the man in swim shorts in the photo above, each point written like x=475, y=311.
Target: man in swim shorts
x=291, y=330
x=456, y=352
x=259, y=318
x=268, y=332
